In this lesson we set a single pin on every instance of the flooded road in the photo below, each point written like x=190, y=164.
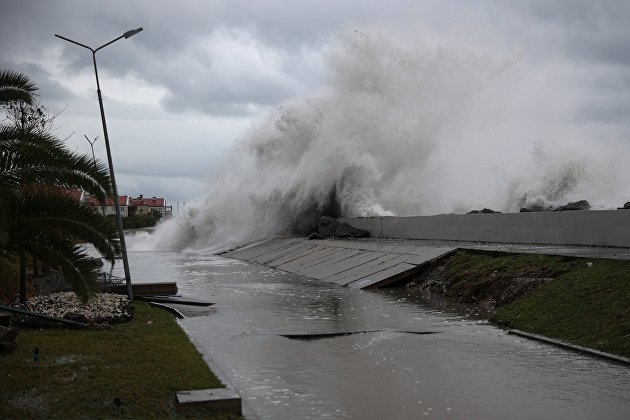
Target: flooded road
x=465, y=369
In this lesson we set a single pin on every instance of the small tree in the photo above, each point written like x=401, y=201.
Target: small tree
x=33, y=118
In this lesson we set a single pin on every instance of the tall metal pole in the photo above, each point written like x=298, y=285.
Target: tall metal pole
x=121, y=233
x=92, y=146
x=94, y=161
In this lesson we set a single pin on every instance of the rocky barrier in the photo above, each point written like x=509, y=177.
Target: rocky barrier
x=102, y=308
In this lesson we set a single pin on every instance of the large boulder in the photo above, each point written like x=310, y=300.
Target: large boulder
x=329, y=227
x=576, y=205
x=483, y=211
x=625, y=206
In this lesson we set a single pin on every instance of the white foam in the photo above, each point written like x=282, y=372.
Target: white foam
x=407, y=132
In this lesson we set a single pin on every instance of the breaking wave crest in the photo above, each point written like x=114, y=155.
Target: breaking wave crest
x=404, y=132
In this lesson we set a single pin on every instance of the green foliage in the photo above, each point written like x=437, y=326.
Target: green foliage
x=35, y=218
x=138, y=221
x=472, y=274
x=586, y=306
x=15, y=87
x=83, y=373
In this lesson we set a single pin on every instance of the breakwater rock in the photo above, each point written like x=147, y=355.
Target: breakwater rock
x=332, y=228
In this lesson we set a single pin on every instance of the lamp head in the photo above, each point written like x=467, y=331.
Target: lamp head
x=131, y=33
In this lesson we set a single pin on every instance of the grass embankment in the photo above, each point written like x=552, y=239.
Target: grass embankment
x=132, y=370
x=585, y=304
x=473, y=276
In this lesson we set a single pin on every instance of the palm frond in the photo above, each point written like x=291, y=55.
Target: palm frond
x=32, y=214
x=16, y=87
x=40, y=211
x=32, y=157
x=75, y=264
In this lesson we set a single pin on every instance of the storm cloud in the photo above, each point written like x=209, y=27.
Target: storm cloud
x=180, y=93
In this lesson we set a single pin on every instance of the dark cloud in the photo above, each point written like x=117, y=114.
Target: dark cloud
x=233, y=59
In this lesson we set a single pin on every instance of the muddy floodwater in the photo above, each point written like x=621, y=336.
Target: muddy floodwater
x=464, y=369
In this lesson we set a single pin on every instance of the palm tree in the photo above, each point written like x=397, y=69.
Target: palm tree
x=15, y=87
x=35, y=218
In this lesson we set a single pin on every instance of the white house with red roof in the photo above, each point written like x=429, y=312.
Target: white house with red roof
x=109, y=206
x=142, y=205
x=76, y=194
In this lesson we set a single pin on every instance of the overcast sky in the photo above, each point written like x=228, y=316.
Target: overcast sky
x=198, y=77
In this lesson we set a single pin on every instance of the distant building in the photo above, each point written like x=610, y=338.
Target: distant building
x=109, y=206
x=141, y=205
x=76, y=194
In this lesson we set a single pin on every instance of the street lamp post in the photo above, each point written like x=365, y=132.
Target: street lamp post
x=92, y=146
x=94, y=161
x=121, y=233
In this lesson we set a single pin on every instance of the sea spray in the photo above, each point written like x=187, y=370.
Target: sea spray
x=404, y=132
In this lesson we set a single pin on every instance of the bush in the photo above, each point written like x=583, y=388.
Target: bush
x=138, y=221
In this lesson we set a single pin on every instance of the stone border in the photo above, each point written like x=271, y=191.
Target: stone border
x=580, y=349
x=247, y=411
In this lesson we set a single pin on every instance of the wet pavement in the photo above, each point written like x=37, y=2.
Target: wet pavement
x=465, y=369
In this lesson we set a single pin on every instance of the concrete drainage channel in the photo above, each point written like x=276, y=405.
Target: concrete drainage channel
x=573, y=347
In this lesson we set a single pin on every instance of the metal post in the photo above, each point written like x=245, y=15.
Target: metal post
x=92, y=146
x=121, y=233
x=94, y=161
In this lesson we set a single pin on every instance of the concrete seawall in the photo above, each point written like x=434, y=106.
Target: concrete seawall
x=589, y=227
x=358, y=264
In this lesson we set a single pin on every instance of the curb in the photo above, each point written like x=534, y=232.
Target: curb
x=170, y=309
x=580, y=349
x=247, y=411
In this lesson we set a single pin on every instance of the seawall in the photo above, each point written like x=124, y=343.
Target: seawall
x=578, y=227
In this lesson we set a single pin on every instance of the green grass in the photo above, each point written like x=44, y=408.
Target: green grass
x=471, y=273
x=132, y=371
x=589, y=306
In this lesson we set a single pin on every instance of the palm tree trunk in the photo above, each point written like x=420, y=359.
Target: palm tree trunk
x=35, y=267
x=22, y=278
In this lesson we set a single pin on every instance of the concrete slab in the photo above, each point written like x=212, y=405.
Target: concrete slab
x=367, y=269
x=309, y=258
x=224, y=399
x=385, y=277
x=250, y=252
x=296, y=252
x=314, y=259
x=342, y=262
x=348, y=264
x=315, y=271
x=423, y=255
x=267, y=257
